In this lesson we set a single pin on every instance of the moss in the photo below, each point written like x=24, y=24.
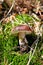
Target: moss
x=9, y=41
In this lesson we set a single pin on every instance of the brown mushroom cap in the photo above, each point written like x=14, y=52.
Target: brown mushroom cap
x=22, y=28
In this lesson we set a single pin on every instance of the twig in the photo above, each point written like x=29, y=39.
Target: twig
x=31, y=55
x=8, y=11
x=11, y=8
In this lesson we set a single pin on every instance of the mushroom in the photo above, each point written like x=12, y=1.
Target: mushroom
x=22, y=30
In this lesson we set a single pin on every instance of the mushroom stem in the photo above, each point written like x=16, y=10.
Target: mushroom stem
x=23, y=42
